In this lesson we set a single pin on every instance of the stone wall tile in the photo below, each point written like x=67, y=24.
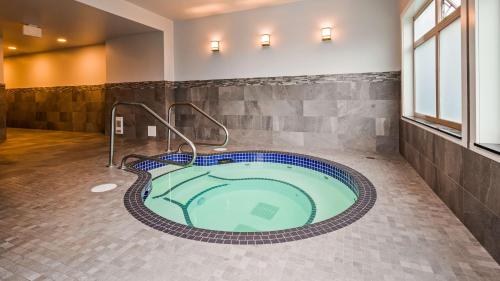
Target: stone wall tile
x=477, y=174
x=483, y=224
x=231, y=108
x=153, y=94
x=320, y=108
x=260, y=92
x=318, y=124
x=388, y=108
x=291, y=123
x=365, y=108
x=251, y=137
x=231, y=93
x=448, y=158
x=291, y=92
x=451, y=194
x=322, y=141
x=425, y=144
x=385, y=90
x=283, y=108
x=319, y=91
x=386, y=144
x=492, y=198
x=288, y=139
x=357, y=133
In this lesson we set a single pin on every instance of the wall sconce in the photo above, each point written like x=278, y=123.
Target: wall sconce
x=215, y=46
x=326, y=34
x=265, y=40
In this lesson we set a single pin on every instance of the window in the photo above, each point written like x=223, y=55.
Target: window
x=425, y=78
x=449, y=6
x=487, y=89
x=425, y=21
x=450, y=74
x=437, y=63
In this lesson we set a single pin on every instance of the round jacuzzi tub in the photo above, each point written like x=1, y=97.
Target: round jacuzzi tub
x=249, y=197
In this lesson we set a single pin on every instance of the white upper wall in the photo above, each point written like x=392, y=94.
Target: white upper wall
x=135, y=58
x=190, y=9
x=366, y=39
x=488, y=70
x=67, y=67
x=403, y=4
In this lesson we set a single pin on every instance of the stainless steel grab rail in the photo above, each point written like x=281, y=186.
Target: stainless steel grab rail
x=143, y=157
x=226, y=140
x=157, y=117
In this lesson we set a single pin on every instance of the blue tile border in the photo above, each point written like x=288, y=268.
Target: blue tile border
x=359, y=184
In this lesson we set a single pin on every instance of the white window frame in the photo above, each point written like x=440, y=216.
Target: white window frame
x=473, y=134
x=407, y=75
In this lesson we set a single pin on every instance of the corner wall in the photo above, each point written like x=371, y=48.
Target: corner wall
x=3, y=99
x=135, y=58
x=58, y=90
x=74, y=89
x=343, y=94
x=135, y=13
x=135, y=72
x=468, y=183
x=3, y=113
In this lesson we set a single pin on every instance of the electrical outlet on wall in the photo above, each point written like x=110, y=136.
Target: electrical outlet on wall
x=119, y=125
x=151, y=131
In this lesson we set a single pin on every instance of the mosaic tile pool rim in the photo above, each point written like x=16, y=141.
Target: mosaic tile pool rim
x=359, y=184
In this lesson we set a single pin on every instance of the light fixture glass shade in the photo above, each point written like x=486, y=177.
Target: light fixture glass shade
x=265, y=39
x=214, y=46
x=326, y=34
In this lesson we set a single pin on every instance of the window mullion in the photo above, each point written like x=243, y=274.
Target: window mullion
x=438, y=100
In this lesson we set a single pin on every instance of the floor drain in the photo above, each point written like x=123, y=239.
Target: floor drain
x=103, y=187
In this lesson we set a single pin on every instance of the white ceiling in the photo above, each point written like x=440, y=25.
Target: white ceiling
x=188, y=9
x=81, y=24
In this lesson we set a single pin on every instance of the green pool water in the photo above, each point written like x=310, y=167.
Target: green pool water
x=248, y=197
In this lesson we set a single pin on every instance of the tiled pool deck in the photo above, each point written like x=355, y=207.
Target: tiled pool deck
x=53, y=228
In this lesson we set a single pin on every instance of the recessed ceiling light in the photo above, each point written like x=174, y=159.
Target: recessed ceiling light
x=62, y=40
x=12, y=48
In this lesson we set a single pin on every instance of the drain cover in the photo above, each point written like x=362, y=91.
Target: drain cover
x=265, y=211
x=103, y=187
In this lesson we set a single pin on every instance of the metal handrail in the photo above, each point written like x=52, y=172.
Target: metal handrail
x=157, y=117
x=143, y=157
x=226, y=140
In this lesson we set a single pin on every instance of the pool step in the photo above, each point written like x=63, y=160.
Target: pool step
x=164, y=170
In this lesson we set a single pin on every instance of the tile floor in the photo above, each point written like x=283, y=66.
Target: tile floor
x=53, y=228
